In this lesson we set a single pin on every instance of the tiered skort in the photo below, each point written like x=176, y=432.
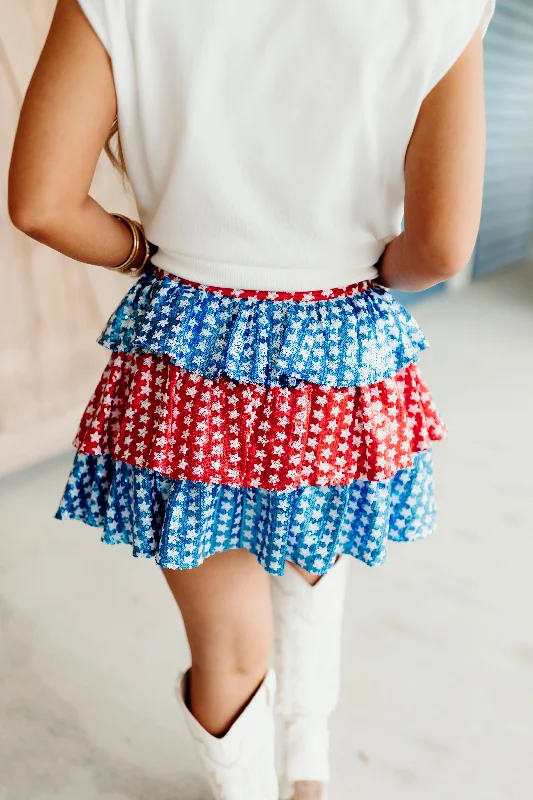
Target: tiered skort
x=293, y=424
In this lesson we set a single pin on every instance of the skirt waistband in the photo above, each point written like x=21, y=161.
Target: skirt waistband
x=255, y=294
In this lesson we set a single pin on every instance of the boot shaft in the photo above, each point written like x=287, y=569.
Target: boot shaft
x=240, y=765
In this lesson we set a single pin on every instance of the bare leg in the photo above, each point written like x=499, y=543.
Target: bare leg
x=226, y=608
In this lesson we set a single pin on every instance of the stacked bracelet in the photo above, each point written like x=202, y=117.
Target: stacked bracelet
x=128, y=267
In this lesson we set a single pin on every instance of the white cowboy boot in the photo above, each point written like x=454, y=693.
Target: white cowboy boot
x=308, y=622
x=240, y=765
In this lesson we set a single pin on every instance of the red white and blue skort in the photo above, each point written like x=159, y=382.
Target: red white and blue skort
x=293, y=424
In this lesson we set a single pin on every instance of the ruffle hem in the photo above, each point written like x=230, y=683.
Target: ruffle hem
x=295, y=425
x=181, y=523
x=353, y=340
x=151, y=414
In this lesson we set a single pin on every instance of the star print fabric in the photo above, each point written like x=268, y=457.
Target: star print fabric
x=295, y=425
x=154, y=415
x=181, y=523
x=354, y=339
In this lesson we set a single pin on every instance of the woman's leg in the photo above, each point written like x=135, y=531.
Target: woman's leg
x=226, y=608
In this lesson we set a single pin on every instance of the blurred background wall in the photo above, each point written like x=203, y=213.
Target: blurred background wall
x=506, y=230
x=52, y=309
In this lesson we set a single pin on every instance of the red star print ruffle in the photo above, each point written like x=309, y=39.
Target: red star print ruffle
x=151, y=414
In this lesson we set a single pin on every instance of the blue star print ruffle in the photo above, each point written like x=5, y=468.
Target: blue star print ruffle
x=346, y=341
x=180, y=523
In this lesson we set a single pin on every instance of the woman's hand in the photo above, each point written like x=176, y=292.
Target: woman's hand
x=68, y=112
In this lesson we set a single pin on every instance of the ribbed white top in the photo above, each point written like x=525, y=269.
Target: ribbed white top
x=265, y=140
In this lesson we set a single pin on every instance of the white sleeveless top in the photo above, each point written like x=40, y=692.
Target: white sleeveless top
x=265, y=140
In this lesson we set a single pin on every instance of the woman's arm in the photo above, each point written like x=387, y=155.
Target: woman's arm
x=444, y=180
x=68, y=112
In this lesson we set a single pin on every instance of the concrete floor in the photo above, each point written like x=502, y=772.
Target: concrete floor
x=438, y=663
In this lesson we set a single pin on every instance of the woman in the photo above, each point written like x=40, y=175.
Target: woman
x=262, y=415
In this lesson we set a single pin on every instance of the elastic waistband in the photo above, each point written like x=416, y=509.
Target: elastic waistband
x=253, y=294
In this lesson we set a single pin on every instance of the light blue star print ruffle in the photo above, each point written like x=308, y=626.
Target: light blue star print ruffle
x=345, y=341
x=181, y=523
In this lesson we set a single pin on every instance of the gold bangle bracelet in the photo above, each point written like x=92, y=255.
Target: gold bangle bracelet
x=148, y=252
x=137, y=234
x=134, y=272
x=147, y=257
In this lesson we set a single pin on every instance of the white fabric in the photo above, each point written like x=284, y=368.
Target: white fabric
x=265, y=140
